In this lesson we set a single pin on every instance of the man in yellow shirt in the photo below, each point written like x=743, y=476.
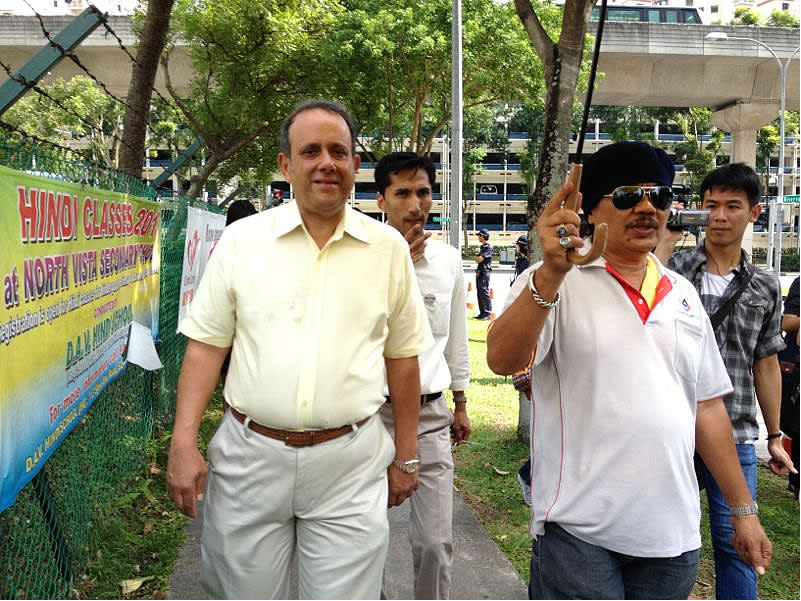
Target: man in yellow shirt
x=299, y=464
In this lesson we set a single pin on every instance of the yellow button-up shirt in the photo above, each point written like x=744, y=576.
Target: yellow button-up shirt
x=310, y=328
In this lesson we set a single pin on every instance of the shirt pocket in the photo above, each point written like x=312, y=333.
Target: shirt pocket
x=689, y=346
x=438, y=305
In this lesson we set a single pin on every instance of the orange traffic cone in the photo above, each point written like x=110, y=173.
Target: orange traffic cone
x=471, y=299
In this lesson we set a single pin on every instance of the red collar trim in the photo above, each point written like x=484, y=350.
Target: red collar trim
x=637, y=300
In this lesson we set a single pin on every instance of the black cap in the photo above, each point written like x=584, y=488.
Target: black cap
x=522, y=240
x=484, y=232
x=623, y=164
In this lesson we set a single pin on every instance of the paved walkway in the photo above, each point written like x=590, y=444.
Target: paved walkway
x=480, y=570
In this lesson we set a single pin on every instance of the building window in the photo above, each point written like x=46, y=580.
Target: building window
x=785, y=6
x=713, y=9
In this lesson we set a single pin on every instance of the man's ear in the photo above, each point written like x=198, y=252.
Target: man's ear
x=380, y=200
x=756, y=210
x=283, y=163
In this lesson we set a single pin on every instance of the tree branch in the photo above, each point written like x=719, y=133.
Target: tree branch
x=536, y=32
x=209, y=140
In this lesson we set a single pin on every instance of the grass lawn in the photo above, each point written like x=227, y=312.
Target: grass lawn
x=486, y=475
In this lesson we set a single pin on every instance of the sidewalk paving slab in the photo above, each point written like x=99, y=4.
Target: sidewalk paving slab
x=480, y=570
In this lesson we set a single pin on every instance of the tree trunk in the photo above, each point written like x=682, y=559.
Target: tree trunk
x=140, y=90
x=561, y=63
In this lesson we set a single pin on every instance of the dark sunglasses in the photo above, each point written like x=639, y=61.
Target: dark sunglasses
x=628, y=197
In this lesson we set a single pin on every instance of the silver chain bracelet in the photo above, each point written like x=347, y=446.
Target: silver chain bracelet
x=536, y=295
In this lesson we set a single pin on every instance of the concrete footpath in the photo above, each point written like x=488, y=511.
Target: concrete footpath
x=480, y=570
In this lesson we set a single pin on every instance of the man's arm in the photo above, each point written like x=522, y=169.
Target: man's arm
x=186, y=468
x=403, y=381
x=768, y=387
x=790, y=323
x=715, y=443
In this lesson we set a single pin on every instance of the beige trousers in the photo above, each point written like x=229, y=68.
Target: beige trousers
x=431, y=519
x=266, y=501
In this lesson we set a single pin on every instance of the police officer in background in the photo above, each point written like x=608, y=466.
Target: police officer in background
x=483, y=268
x=521, y=262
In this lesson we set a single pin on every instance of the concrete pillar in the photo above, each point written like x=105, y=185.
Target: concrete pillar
x=742, y=120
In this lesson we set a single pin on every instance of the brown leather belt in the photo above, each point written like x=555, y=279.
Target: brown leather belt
x=296, y=438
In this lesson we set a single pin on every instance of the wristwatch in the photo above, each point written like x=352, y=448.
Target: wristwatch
x=410, y=467
x=744, y=510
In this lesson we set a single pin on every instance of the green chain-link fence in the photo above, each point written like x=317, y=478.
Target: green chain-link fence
x=46, y=535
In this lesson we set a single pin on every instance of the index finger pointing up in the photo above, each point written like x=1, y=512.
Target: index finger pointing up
x=558, y=199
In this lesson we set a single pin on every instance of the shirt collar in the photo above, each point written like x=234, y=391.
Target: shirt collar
x=698, y=259
x=288, y=219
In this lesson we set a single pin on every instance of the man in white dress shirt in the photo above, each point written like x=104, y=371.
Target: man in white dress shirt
x=405, y=182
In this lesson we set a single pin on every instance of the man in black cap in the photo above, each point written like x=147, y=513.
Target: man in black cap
x=483, y=269
x=627, y=382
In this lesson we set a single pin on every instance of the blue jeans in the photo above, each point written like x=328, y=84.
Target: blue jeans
x=565, y=567
x=734, y=579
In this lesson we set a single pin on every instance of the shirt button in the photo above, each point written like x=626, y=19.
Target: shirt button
x=639, y=301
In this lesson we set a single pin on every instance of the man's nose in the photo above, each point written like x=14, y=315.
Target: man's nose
x=645, y=203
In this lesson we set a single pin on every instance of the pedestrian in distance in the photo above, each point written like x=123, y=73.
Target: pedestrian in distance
x=405, y=183
x=483, y=270
x=299, y=467
x=521, y=255
x=744, y=304
x=627, y=383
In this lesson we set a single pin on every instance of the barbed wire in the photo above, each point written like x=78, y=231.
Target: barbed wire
x=31, y=85
x=107, y=26
x=74, y=58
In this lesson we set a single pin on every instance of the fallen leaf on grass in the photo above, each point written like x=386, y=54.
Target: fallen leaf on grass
x=503, y=537
x=154, y=470
x=455, y=488
x=147, y=529
x=486, y=465
x=129, y=586
x=500, y=472
x=159, y=595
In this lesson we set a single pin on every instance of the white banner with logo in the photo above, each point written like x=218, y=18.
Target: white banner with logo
x=203, y=229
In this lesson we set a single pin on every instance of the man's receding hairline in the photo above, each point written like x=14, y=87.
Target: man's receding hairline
x=322, y=110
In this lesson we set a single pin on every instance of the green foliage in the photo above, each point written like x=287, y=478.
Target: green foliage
x=790, y=258
x=390, y=62
x=745, y=16
x=91, y=117
x=253, y=60
x=782, y=18
x=767, y=142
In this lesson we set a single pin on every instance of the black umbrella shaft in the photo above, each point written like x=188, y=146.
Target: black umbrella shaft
x=591, y=84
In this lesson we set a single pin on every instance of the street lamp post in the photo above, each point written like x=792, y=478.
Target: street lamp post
x=774, y=246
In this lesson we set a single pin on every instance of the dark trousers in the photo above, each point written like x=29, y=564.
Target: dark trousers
x=482, y=291
x=564, y=567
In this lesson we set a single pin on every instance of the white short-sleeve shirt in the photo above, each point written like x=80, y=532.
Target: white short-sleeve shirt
x=614, y=405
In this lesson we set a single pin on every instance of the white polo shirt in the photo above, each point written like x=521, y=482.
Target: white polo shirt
x=310, y=328
x=613, y=420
